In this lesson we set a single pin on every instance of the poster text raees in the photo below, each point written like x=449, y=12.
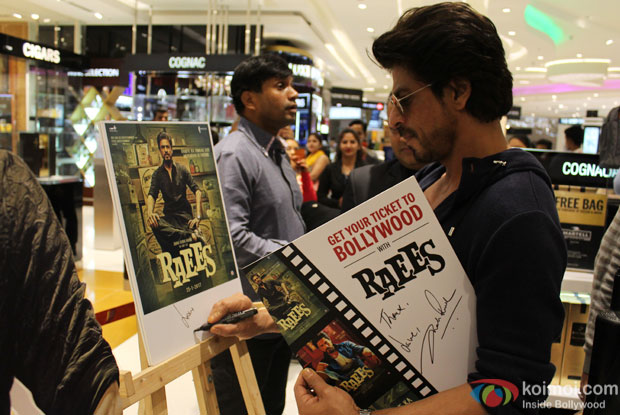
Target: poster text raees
x=401, y=269
x=191, y=261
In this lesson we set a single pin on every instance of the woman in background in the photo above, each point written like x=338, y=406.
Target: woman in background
x=316, y=159
x=334, y=178
x=301, y=171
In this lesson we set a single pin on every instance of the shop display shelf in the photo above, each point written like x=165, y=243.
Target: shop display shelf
x=578, y=281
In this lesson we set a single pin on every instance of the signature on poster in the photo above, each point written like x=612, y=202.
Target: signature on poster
x=442, y=311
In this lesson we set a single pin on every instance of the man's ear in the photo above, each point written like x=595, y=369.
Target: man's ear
x=249, y=100
x=459, y=91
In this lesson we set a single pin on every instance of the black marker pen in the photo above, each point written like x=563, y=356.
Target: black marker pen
x=230, y=319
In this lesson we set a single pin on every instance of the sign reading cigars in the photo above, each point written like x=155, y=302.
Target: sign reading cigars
x=375, y=301
x=178, y=266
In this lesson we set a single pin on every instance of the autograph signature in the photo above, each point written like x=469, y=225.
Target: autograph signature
x=389, y=318
x=440, y=308
x=184, y=318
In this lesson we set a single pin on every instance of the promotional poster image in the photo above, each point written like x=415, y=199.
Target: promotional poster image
x=343, y=360
x=388, y=311
x=582, y=217
x=291, y=304
x=178, y=253
x=173, y=211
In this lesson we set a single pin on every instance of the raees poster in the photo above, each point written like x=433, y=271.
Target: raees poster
x=164, y=183
x=376, y=301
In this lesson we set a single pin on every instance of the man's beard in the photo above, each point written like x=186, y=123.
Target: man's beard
x=168, y=162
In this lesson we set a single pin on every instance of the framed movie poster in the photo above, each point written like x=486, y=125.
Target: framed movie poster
x=177, y=247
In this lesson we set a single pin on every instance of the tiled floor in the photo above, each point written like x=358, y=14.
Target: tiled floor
x=101, y=270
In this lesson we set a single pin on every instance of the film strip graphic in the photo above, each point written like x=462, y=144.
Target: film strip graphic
x=331, y=295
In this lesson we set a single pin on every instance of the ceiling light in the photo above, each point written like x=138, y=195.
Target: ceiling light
x=506, y=10
x=561, y=106
x=388, y=76
x=540, y=57
x=596, y=95
x=583, y=72
x=34, y=16
x=518, y=68
x=98, y=15
x=579, y=55
x=512, y=33
x=554, y=97
x=46, y=20
x=604, y=107
x=354, y=57
x=542, y=22
x=589, y=98
x=17, y=15
x=524, y=82
x=609, y=42
x=535, y=69
x=342, y=63
x=362, y=6
x=385, y=87
x=522, y=99
x=370, y=29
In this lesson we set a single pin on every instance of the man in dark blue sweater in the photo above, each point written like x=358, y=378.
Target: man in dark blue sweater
x=451, y=87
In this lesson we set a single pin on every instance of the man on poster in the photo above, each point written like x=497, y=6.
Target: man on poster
x=276, y=293
x=340, y=359
x=178, y=224
x=451, y=86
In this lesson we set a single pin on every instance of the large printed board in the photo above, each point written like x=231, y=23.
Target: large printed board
x=178, y=267
x=376, y=301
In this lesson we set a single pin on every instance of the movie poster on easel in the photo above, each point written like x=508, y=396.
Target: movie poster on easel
x=178, y=253
x=375, y=301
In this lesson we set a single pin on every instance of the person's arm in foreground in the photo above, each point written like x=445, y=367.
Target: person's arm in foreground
x=334, y=401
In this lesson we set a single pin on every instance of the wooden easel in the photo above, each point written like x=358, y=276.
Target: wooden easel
x=148, y=386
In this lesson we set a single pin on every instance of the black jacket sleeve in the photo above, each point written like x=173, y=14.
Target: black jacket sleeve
x=326, y=182
x=50, y=338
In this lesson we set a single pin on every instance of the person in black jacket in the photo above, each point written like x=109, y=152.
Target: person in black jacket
x=49, y=338
x=451, y=86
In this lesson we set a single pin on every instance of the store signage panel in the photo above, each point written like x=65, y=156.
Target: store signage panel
x=187, y=62
x=582, y=217
x=43, y=53
x=347, y=97
x=514, y=113
x=182, y=62
x=575, y=169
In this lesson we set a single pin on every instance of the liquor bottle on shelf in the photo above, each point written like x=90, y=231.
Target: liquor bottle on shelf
x=604, y=378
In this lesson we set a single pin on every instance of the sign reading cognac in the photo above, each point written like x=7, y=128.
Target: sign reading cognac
x=41, y=53
x=187, y=62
